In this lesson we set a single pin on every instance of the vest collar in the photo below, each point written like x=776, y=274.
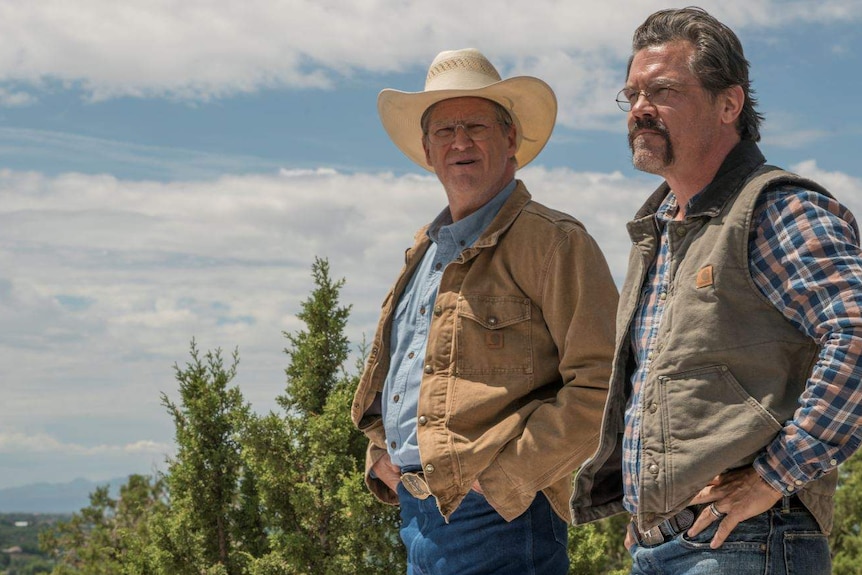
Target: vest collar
x=742, y=160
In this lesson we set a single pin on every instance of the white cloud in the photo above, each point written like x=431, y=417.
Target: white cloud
x=200, y=49
x=103, y=281
x=14, y=443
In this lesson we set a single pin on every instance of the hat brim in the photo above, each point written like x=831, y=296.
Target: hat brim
x=530, y=101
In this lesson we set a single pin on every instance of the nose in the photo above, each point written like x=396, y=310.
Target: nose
x=462, y=140
x=642, y=106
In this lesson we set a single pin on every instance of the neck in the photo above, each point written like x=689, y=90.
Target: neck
x=686, y=184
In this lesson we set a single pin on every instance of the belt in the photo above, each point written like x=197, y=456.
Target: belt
x=667, y=529
x=415, y=484
x=673, y=526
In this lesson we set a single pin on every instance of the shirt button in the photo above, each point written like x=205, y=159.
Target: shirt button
x=411, y=355
x=396, y=398
x=422, y=420
x=438, y=266
x=422, y=310
x=429, y=469
x=392, y=445
x=429, y=369
x=798, y=482
x=833, y=462
x=790, y=488
x=653, y=468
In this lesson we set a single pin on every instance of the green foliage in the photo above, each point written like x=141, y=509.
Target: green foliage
x=597, y=548
x=110, y=536
x=846, y=537
x=197, y=533
x=310, y=461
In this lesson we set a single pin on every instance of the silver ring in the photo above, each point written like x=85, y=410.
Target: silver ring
x=715, y=512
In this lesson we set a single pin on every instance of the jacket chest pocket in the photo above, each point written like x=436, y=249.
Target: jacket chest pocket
x=493, y=335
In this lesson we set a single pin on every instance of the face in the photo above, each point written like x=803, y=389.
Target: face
x=676, y=135
x=472, y=172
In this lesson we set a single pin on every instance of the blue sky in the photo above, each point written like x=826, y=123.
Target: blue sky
x=169, y=170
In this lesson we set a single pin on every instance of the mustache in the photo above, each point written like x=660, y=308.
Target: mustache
x=648, y=124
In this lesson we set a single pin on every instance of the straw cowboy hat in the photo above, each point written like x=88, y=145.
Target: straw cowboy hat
x=459, y=73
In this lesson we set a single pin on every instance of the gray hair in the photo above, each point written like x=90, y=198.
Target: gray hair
x=718, y=62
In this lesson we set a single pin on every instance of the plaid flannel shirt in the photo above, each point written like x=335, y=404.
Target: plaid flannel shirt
x=805, y=258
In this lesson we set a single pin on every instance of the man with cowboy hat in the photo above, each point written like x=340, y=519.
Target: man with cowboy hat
x=488, y=373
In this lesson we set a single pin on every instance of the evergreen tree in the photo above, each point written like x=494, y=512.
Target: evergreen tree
x=310, y=461
x=846, y=537
x=196, y=534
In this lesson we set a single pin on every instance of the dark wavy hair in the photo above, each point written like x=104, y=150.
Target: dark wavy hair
x=718, y=62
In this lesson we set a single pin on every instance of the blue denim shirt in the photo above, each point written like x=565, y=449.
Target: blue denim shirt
x=411, y=323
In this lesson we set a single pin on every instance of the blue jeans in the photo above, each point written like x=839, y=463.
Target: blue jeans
x=477, y=541
x=777, y=542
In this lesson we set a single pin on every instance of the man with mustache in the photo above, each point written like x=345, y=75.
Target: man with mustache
x=737, y=378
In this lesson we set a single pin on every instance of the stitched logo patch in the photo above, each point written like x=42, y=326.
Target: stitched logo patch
x=494, y=340
x=704, y=277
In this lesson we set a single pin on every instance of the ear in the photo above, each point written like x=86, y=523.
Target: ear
x=427, y=150
x=731, y=100
x=512, y=137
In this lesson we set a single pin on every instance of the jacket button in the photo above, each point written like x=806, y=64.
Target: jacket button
x=422, y=420
x=429, y=369
x=653, y=468
x=681, y=231
x=429, y=469
x=492, y=320
x=438, y=310
x=653, y=407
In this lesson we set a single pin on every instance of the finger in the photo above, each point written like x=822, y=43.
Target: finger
x=704, y=520
x=725, y=527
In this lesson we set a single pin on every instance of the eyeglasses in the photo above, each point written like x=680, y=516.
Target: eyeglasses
x=476, y=130
x=656, y=95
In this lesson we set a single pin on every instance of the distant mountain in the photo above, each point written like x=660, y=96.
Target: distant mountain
x=54, y=497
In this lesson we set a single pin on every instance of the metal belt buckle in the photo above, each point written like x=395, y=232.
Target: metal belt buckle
x=652, y=536
x=416, y=485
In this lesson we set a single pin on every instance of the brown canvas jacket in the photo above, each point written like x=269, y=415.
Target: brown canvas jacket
x=517, y=364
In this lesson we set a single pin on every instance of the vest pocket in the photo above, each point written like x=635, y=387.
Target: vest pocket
x=708, y=424
x=493, y=335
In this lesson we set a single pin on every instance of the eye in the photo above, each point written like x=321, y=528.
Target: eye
x=444, y=132
x=476, y=129
x=631, y=95
x=660, y=94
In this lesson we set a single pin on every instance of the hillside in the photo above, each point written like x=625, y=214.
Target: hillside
x=52, y=497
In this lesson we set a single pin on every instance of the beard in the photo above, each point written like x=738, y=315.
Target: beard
x=645, y=158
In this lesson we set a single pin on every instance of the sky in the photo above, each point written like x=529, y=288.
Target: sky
x=170, y=169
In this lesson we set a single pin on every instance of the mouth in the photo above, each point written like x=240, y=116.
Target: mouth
x=465, y=162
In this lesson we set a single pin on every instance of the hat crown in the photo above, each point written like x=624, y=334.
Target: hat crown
x=460, y=70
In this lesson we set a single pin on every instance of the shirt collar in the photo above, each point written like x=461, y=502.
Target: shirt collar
x=466, y=231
